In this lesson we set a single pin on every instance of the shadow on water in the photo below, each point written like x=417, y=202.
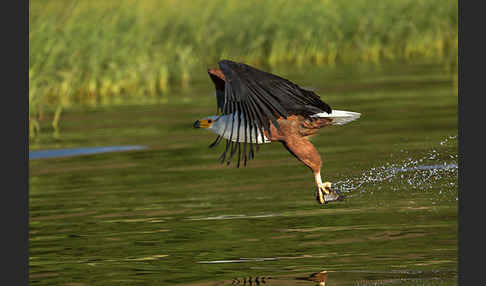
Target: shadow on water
x=58, y=153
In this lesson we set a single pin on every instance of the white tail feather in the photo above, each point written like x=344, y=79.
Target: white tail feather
x=340, y=117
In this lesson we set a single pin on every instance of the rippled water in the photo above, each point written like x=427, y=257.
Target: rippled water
x=362, y=278
x=170, y=214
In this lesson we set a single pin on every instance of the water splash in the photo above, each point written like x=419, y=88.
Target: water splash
x=421, y=174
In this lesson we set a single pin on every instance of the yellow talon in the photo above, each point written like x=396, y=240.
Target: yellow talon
x=320, y=196
x=323, y=189
x=326, y=187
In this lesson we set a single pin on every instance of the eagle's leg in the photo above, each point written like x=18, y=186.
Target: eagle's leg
x=322, y=188
x=303, y=150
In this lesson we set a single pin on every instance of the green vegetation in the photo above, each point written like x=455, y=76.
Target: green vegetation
x=104, y=52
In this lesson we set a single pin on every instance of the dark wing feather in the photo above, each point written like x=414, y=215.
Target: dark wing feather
x=260, y=98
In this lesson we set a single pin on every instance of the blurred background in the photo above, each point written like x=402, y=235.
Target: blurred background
x=123, y=191
x=96, y=53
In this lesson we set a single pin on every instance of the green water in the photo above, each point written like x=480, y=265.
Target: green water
x=171, y=214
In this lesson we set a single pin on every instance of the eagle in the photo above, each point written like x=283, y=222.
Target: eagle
x=255, y=107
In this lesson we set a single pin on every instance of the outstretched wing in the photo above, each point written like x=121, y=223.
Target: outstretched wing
x=258, y=99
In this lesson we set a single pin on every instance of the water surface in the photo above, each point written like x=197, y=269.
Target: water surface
x=57, y=153
x=171, y=214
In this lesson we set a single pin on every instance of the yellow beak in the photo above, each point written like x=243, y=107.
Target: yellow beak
x=204, y=123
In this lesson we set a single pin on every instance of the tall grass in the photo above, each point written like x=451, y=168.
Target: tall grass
x=101, y=52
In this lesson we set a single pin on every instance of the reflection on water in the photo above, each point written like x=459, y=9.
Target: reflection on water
x=319, y=277
x=171, y=215
x=251, y=280
x=57, y=153
x=357, y=277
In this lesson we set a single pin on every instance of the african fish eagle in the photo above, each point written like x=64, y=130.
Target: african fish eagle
x=256, y=107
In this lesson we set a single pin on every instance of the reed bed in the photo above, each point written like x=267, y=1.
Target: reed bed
x=108, y=52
